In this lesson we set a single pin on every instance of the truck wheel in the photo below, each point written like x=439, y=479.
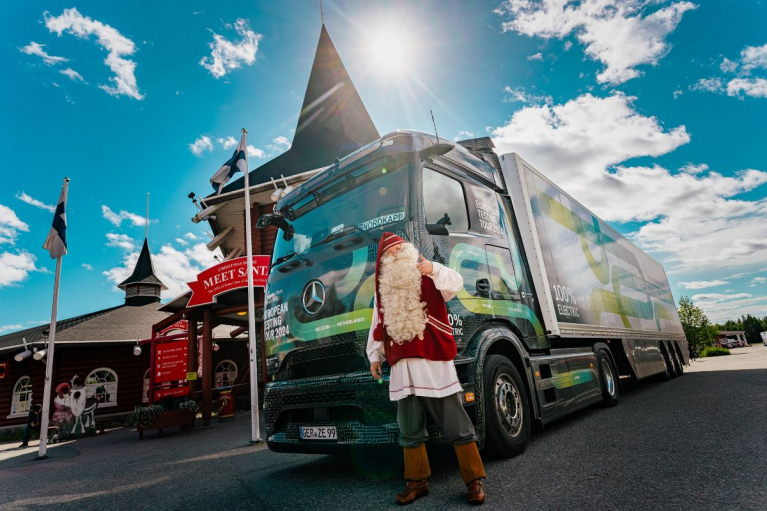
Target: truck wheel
x=671, y=362
x=666, y=374
x=507, y=409
x=678, y=360
x=608, y=379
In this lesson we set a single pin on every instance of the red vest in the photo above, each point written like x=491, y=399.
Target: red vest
x=437, y=343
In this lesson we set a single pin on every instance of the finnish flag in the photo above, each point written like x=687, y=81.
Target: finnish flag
x=238, y=162
x=56, y=243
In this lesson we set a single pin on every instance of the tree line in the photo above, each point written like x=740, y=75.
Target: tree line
x=700, y=332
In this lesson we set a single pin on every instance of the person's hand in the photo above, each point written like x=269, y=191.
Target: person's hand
x=34, y=424
x=425, y=266
x=375, y=370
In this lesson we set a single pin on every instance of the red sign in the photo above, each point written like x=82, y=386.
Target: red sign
x=170, y=361
x=227, y=276
x=181, y=324
x=172, y=392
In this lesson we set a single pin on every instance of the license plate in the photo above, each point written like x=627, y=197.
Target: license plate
x=318, y=433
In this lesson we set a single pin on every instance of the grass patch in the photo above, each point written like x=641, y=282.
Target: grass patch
x=714, y=352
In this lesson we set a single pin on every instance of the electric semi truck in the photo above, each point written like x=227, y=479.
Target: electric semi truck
x=556, y=305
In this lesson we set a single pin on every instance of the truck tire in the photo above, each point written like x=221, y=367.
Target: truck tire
x=678, y=360
x=507, y=408
x=670, y=361
x=666, y=374
x=608, y=379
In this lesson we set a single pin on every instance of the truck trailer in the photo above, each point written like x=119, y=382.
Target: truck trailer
x=556, y=307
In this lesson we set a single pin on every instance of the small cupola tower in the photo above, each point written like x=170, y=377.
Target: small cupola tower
x=143, y=286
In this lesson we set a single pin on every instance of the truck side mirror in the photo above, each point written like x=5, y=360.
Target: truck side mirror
x=437, y=229
x=268, y=220
x=264, y=221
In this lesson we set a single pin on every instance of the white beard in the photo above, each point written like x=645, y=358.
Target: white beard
x=400, y=292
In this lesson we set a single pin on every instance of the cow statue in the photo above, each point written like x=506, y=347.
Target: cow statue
x=83, y=409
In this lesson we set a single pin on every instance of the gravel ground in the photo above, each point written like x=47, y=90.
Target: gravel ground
x=695, y=442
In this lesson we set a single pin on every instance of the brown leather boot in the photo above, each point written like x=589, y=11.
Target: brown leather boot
x=472, y=471
x=417, y=471
x=475, y=494
x=413, y=491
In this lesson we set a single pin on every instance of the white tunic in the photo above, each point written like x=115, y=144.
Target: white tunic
x=418, y=376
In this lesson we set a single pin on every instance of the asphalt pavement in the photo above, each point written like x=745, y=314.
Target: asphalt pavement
x=696, y=442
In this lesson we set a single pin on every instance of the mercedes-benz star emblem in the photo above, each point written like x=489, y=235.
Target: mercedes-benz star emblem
x=314, y=297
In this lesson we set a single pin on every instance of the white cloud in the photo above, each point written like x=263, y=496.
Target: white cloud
x=718, y=297
x=122, y=241
x=713, y=84
x=10, y=225
x=174, y=267
x=34, y=202
x=201, y=145
x=72, y=74
x=694, y=220
x=463, y=135
x=118, y=46
x=702, y=284
x=677, y=93
x=282, y=141
x=228, y=142
x=519, y=95
x=757, y=280
x=537, y=56
x=34, y=48
x=691, y=168
x=87, y=266
x=721, y=309
x=621, y=34
x=754, y=87
x=226, y=56
x=15, y=268
x=182, y=242
x=728, y=66
x=567, y=45
x=10, y=328
x=254, y=152
x=117, y=218
x=753, y=57
x=190, y=236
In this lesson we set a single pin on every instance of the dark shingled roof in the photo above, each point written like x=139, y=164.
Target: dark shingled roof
x=143, y=273
x=333, y=121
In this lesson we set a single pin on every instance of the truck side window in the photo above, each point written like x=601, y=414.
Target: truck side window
x=444, y=201
x=502, y=279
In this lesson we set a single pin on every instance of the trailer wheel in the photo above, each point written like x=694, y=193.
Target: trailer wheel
x=666, y=374
x=608, y=380
x=671, y=361
x=678, y=360
x=507, y=407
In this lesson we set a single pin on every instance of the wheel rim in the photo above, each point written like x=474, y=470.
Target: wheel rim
x=508, y=404
x=607, y=371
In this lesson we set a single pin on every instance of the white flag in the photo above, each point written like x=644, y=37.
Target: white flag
x=56, y=243
x=238, y=161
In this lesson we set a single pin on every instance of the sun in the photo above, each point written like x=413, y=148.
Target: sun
x=389, y=51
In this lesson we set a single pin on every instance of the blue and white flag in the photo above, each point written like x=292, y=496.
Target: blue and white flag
x=56, y=243
x=238, y=161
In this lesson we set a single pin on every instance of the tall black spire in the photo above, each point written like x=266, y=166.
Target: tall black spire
x=333, y=121
x=142, y=286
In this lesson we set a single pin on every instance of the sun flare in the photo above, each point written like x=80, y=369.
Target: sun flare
x=389, y=51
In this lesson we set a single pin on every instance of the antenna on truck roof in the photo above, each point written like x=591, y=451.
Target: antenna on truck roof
x=435, y=125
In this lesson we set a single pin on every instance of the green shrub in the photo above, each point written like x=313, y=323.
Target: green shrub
x=714, y=352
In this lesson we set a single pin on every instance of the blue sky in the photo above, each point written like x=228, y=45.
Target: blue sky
x=650, y=113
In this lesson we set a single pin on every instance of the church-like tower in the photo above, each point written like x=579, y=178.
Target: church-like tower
x=143, y=286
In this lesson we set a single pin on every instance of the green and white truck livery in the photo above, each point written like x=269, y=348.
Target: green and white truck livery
x=556, y=305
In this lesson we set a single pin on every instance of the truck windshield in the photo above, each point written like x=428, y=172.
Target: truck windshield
x=367, y=198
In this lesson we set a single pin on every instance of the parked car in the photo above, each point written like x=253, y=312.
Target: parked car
x=729, y=343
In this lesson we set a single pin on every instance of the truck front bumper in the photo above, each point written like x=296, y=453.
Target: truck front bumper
x=355, y=404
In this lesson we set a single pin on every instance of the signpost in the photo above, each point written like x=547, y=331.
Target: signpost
x=227, y=276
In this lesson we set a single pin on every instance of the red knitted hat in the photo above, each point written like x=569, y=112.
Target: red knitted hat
x=388, y=240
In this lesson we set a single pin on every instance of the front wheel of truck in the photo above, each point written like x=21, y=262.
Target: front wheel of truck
x=507, y=408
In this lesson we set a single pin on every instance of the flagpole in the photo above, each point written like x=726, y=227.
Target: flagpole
x=255, y=426
x=42, y=452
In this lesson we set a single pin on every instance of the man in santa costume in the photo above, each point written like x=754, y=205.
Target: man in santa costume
x=411, y=330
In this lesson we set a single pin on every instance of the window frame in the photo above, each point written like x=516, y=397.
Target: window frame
x=90, y=388
x=216, y=372
x=15, y=401
x=448, y=175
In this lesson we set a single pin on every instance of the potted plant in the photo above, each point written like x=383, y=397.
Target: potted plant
x=165, y=415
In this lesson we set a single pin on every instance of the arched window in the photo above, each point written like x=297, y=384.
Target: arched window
x=22, y=397
x=145, y=393
x=226, y=373
x=102, y=384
